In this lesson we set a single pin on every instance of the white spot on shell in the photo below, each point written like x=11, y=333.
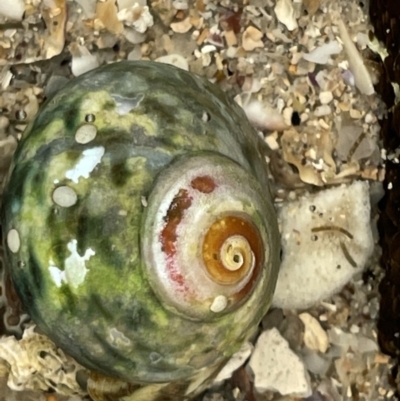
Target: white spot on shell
x=86, y=164
x=64, y=196
x=85, y=133
x=219, y=304
x=117, y=337
x=205, y=117
x=75, y=270
x=56, y=274
x=13, y=240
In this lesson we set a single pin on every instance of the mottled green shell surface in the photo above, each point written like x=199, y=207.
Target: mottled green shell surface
x=80, y=194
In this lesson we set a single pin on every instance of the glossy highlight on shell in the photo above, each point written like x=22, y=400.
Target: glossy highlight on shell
x=141, y=236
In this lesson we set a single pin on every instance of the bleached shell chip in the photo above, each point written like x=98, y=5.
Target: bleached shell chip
x=285, y=13
x=34, y=362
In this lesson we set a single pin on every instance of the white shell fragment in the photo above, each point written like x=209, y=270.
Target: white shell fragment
x=325, y=97
x=182, y=26
x=285, y=13
x=264, y=116
x=65, y=196
x=13, y=240
x=137, y=16
x=237, y=360
x=251, y=39
x=321, y=54
x=13, y=9
x=34, y=361
x=326, y=239
x=361, y=75
x=83, y=61
x=315, y=336
x=277, y=368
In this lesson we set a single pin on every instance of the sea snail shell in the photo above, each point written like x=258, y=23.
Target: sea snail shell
x=139, y=228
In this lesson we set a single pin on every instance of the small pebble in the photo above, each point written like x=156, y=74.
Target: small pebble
x=277, y=368
x=315, y=336
x=325, y=97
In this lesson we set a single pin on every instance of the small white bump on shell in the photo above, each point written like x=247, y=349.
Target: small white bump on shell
x=85, y=133
x=13, y=240
x=219, y=304
x=65, y=196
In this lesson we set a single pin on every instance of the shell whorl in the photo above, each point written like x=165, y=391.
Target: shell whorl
x=204, y=241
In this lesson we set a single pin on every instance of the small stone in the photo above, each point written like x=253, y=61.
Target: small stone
x=370, y=118
x=208, y=49
x=325, y=97
x=343, y=106
x=348, y=341
x=323, y=110
x=271, y=141
x=180, y=4
x=264, y=116
x=230, y=37
x=315, y=336
x=83, y=61
x=292, y=330
x=13, y=9
x=182, y=26
x=315, y=362
x=356, y=114
x=231, y=52
x=321, y=255
x=251, y=39
x=277, y=368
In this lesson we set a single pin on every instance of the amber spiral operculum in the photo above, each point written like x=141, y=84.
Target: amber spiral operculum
x=232, y=251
